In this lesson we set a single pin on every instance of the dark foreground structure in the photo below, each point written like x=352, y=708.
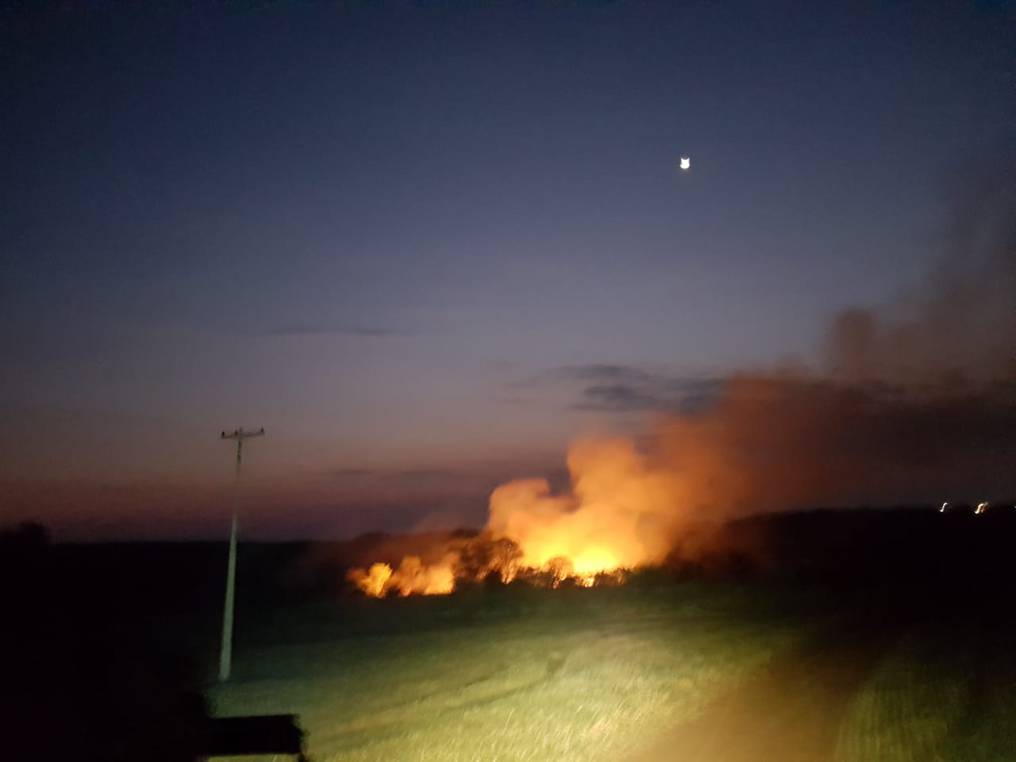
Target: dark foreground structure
x=265, y=734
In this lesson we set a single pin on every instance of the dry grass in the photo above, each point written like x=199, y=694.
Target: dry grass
x=585, y=675
x=943, y=693
x=606, y=674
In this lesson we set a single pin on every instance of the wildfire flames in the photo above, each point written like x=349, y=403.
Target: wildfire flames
x=765, y=444
x=618, y=515
x=411, y=577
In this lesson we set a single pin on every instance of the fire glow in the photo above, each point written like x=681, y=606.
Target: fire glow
x=617, y=516
x=764, y=443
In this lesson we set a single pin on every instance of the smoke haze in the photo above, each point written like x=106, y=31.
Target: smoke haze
x=916, y=402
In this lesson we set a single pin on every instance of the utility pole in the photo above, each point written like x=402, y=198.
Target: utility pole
x=226, y=652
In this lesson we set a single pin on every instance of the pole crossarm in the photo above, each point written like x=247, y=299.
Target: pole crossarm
x=242, y=433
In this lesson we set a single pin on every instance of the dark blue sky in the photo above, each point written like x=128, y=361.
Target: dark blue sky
x=383, y=230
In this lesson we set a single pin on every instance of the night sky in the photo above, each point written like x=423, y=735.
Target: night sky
x=417, y=242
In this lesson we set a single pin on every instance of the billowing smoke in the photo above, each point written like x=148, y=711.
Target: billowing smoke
x=914, y=403
x=619, y=512
x=777, y=443
x=958, y=329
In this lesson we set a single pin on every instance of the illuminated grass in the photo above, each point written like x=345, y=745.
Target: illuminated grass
x=940, y=694
x=588, y=675
x=907, y=707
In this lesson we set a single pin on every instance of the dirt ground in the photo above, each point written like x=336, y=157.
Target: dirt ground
x=790, y=710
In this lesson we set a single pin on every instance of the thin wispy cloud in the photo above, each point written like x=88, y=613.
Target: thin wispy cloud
x=325, y=329
x=394, y=475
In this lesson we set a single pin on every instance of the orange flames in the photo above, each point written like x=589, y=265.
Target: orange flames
x=618, y=515
x=412, y=576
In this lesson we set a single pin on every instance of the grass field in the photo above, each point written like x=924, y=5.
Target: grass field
x=869, y=637
x=703, y=671
x=941, y=693
x=857, y=637
x=505, y=675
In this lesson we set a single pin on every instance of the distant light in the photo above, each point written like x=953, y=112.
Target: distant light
x=981, y=508
x=943, y=508
x=685, y=162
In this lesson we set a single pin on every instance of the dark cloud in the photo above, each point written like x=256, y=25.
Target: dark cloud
x=616, y=397
x=627, y=388
x=600, y=372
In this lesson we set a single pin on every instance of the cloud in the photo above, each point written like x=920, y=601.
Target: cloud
x=601, y=373
x=397, y=474
x=617, y=397
x=615, y=388
x=346, y=473
x=324, y=329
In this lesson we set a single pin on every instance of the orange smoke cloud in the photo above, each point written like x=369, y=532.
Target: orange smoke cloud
x=620, y=513
x=766, y=443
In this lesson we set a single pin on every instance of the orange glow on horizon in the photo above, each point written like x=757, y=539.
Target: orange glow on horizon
x=619, y=515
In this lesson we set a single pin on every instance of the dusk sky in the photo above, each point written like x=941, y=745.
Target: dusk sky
x=418, y=242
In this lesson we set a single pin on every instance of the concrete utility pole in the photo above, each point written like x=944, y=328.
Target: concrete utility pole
x=226, y=652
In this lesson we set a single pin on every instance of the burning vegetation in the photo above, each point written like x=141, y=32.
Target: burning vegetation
x=476, y=560
x=617, y=516
x=482, y=559
x=765, y=444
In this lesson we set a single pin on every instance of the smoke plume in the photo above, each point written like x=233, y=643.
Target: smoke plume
x=915, y=402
